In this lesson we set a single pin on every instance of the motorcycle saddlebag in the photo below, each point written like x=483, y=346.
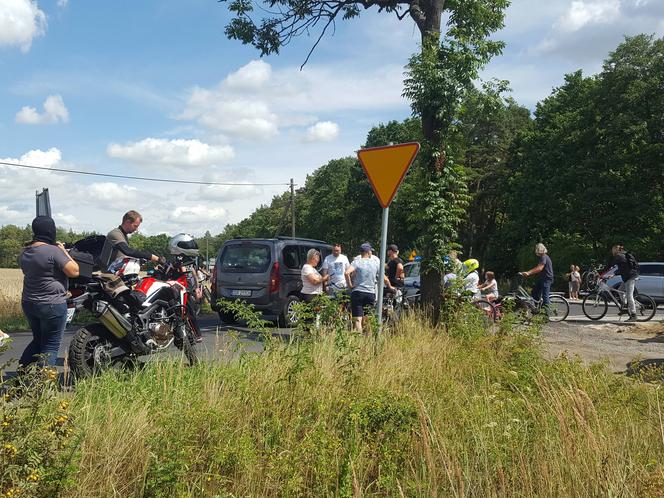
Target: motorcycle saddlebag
x=85, y=262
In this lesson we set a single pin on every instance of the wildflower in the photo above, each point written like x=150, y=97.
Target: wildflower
x=64, y=404
x=7, y=398
x=6, y=421
x=51, y=373
x=12, y=492
x=10, y=450
x=33, y=477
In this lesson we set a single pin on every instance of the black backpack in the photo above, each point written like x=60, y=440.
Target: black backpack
x=633, y=263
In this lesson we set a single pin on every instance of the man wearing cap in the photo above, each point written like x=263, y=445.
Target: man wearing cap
x=361, y=278
x=394, y=268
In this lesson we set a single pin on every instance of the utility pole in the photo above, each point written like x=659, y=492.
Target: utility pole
x=292, y=205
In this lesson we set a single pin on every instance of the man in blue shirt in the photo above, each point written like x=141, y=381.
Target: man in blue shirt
x=544, y=267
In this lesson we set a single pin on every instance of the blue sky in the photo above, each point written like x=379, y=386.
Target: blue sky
x=155, y=89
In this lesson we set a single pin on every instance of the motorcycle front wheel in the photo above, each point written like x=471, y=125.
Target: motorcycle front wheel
x=187, y=344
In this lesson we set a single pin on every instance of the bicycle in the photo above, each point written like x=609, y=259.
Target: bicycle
x=556, y=311
x=596, y=304
x=590, y=278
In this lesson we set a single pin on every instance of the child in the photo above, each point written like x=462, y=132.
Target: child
x=490, y=287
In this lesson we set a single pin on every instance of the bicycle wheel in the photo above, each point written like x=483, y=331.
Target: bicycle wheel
x=595, y=306
x=646, y=307
x=557, y=309
x=487, y=309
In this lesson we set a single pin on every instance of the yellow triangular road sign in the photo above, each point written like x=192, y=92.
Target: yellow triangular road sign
x=386, y=168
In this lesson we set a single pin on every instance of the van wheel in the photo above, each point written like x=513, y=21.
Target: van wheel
x=228, y=317
x=287, y=318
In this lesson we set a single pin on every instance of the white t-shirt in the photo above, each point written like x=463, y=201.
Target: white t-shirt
x=470, y=283
x=492, y=288
x=336, y=267
x=307, y=286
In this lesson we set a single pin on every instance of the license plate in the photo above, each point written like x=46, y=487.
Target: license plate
x=241, y=292
x=70, y=314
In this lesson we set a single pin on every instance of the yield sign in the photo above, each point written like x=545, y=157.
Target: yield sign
x=386, y=168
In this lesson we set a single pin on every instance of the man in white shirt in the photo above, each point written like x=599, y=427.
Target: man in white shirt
x=335, y=265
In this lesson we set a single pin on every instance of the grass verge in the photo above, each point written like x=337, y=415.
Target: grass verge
x=418, y=412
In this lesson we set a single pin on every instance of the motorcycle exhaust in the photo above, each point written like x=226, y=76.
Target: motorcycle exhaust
x=112, y=319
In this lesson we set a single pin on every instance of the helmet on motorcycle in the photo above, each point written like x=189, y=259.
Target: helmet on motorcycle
x=183, y=244
x=471, y=265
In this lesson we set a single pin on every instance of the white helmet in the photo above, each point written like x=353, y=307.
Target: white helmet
x=184, y=244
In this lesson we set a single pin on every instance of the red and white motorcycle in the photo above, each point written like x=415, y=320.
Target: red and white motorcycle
x=135, y=316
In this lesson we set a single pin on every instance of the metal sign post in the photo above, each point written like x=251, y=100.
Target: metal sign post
x=386, y=168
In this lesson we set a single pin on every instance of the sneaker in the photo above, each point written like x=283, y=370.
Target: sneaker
x=632, y=318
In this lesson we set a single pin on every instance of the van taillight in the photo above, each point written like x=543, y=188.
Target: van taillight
x=274, y=278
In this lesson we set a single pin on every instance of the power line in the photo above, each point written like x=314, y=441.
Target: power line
x=143, y=178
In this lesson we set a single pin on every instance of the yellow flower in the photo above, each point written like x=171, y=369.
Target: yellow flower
x=64, y=404
x=33, y=477
x=10, y=450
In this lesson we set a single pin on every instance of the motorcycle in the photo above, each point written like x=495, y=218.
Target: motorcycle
x=135, y=316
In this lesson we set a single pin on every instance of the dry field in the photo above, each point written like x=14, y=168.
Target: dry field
x=11, y=285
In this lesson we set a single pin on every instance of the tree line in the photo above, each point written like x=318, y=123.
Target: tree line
x=583, y=172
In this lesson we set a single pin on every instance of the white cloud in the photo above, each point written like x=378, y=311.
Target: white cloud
x=323, y=131
x=249, y=77
x=582, y=13
x=65, y=219
x=54, y=111
x=63, y=3
x=233, y=115
x=8, y=215
x=198, y=214
x=178, y=152
x=254, y=102
x=112, y=192
x=21, y=21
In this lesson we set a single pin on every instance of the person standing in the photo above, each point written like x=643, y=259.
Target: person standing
x=312, y=281
x=361, y=278
x=628, y=269
x=544, y=267
x=335, y=265
x=117, y=243
x=394, y=269
x=46, y=267
x=574, y=278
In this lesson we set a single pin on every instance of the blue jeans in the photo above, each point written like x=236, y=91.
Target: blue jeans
x=542, y=289
x=47, y=322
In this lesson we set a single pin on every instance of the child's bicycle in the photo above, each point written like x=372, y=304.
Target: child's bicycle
x=523, y=303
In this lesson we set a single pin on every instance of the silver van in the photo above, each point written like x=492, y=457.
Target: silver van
x=263, y=272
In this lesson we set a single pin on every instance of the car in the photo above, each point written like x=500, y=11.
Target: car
x=263, y=272
x=650, y=281
x=411, y=285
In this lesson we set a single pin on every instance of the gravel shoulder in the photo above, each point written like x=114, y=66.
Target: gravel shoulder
x=618, y=345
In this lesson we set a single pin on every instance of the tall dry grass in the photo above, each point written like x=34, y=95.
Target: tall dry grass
x=11, y=286
x=417, y=413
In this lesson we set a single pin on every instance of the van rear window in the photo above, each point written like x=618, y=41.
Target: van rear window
x=245, y=258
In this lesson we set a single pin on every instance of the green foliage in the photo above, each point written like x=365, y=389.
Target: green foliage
x=37, y=436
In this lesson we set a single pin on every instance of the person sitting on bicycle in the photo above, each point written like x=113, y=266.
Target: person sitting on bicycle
x=472, y=279
x=628, y=269
x=542, y=288
x=489, y=287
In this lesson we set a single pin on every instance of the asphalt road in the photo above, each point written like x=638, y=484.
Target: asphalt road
x=221, y=341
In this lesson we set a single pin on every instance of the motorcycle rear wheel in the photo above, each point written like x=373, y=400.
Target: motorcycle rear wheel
x=89, y=351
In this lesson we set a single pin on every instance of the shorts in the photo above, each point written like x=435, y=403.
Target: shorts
x=358, y=300
x=307, y=298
